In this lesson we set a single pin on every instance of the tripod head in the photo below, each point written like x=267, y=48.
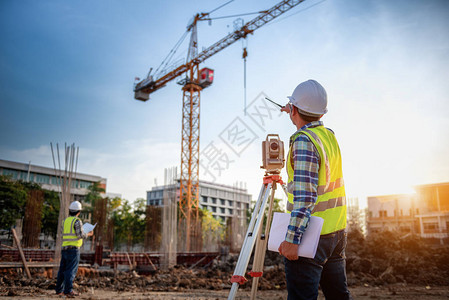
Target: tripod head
x=272, y=155
x=272, y=172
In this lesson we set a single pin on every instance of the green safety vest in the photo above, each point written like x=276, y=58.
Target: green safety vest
x=331, y=202
x=69, y=237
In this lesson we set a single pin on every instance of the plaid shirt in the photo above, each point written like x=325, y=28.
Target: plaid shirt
x=306, y=164
x=78, y=231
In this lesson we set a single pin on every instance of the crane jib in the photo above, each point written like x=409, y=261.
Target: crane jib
x=149, y=87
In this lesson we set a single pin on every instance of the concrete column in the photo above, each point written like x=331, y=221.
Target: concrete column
x=439, y=218
x=421, y=226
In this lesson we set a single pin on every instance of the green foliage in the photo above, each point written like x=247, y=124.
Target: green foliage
x=277, y=207
x=50, y=213
x=13, y=198
x=140, y=207
x=94, y=193
x=129, y=223
x=92, y=196
x=13, y=195
x=114, y=204
x=211, y=227
x=138, y=224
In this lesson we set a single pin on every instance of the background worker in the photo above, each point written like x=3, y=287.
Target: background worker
x=72, y=240
x=316, y=187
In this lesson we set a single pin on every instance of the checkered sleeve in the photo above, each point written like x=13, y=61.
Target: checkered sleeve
x=79, y=229
x=305, y=183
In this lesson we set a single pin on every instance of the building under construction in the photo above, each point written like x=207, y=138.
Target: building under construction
x=425, y=213
x=222, y=201
x=227, y=204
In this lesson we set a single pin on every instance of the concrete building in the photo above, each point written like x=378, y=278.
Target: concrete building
x=391, y=212
x=425, y=213
x=432, y=210
x=47, y=179
x=222, y=200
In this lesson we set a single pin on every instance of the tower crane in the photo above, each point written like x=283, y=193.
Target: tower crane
x=193, y=83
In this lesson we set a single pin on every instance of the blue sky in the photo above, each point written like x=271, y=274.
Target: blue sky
x=67, y=72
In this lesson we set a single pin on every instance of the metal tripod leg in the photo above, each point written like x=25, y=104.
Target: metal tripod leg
x=250, y=239
x=261, y=247
x=284, y=187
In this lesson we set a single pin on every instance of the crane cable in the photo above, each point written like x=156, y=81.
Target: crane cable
x=244, y=55
x=238, y=15
x=245, y=52
x=263, y=11
x=220, y=7
x=295, y=13
x=172, y=52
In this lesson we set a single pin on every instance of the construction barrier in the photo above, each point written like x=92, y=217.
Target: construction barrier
x=113, y=258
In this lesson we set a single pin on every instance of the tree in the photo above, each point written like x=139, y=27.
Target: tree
x=124, y=224
x=13, y=196
x=212, y=230
x=95, y=208
x=276, y=208
x=50, y=213
x=113, y=205
x=138, y=224
x=95, y=191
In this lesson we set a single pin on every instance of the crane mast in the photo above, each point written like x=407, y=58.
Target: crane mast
x=192, y=87
x=190, y=147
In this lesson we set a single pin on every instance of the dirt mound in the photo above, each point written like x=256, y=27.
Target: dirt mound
x=390, y=258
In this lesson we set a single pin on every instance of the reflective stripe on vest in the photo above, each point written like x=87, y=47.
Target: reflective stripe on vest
x=331, y=200
x=69, y=237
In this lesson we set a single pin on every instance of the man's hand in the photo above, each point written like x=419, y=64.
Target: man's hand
x=289, y=250
x=286, y=108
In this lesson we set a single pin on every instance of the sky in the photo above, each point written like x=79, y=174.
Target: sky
x=67, y=71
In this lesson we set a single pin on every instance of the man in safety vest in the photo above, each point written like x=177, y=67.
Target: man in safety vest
x=72, y=240
x=316, y=188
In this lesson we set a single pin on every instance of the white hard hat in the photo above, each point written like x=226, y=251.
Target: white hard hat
x=310, y=98
x=75, y=206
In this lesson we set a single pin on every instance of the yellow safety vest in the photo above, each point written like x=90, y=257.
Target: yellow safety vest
x=69, y=237
x=331, y=201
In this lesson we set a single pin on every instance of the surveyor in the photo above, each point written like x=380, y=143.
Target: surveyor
x=72, y=239
x=315, y=188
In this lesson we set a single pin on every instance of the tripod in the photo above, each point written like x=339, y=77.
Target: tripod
x=254, y=235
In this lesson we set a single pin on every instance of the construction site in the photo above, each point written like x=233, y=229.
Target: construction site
x=195, y=235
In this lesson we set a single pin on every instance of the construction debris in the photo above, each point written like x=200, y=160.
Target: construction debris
x=389, y=258
x=384, y=259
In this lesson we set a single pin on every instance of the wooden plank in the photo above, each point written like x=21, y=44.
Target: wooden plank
x=29, y=265
x=146, y=255
x=6, y=246
x=130, y=263
x=199, y=261
x=22, y=256
x=34, y=265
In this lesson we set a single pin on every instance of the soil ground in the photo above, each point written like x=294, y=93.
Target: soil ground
x=384, y=266
x=396, y=292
